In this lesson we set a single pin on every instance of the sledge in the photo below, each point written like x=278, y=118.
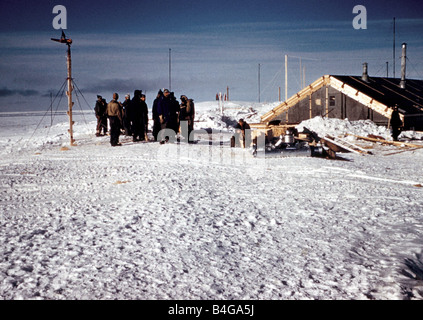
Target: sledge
x=287, y=145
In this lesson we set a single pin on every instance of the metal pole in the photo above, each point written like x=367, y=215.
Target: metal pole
x=51, y=109
x=403, y=65
x=170, y=69
x=394, y=48
x=259, y=81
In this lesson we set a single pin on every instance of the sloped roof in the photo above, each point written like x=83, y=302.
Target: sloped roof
x=388, y=92
x=378, y=94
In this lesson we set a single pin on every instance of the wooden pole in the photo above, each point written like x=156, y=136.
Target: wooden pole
x=327, y=102
x=69, y=94
x=286, y=77
x=286, y=85
x=301, y=75
x=310, y=101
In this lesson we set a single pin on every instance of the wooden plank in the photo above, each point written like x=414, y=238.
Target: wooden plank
x=343, y=146
x=401, y=151
x=395, y=143
x=358, y=148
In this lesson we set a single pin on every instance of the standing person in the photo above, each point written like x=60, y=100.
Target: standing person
x=187, y=113
x=164, y=110
x=101, y=115
x=174, y=113
x=114, y=112
x=144, y=109
x=241, y=130
x=156, y=118
x=126, y=122
x=137, y=118
x=395, y=123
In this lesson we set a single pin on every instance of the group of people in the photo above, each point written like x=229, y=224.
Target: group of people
x=131, y=116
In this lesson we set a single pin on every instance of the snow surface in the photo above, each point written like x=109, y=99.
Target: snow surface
x=200, y=221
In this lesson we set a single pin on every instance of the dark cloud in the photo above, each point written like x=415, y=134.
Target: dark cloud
x=5, y=92
x=123, y=86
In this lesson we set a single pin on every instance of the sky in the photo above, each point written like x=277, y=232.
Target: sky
x=208, y=46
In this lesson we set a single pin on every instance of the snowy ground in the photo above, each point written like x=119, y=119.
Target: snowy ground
x=199, y=221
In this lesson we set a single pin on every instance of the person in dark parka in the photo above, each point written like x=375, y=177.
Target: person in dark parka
x=145, y=116
x=395, y=123
x=242, y=130
x=101, y=115
x=126, y=122
x=174, y=113
x=137, y=117
x=164, y=110
x=156, y=118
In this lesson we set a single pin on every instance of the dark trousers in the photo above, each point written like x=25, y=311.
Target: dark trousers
x=138, y=131
x=101, y=125
x=156, y=128
x=115, y=125
x=395, y=133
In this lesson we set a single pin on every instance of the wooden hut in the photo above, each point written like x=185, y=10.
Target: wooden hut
x=352, y=98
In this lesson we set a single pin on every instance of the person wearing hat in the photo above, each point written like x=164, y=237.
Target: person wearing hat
x=396, y=123
x=100, y=110
x=114, y=112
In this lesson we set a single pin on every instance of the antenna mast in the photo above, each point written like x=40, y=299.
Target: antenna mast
x=394, y=49
x=170, y=69
x=68, y=42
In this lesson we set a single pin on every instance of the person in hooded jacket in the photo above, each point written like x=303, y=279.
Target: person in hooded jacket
x=138, y=117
